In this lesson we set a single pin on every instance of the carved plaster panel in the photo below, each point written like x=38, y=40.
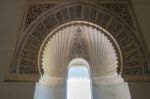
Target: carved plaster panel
x=79, y=39
x=116, y=18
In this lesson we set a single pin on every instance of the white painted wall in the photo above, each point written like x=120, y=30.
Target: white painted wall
x=116, y=91
x=49, y=92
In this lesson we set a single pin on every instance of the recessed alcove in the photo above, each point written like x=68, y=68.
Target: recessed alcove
x=80, y=53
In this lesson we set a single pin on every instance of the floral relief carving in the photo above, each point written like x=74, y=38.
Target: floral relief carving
x=120, y=9
x=36, y=9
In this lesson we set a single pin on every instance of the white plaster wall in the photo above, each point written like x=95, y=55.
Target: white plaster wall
x=115, y=91
x=49, y=92
x=11, y=12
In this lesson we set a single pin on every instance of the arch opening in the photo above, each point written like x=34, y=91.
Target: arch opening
x=101, y=50
x=78, y=82
x=101, y=68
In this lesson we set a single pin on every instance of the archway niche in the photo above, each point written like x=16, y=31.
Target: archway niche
x=80, y=39
x=26, y=61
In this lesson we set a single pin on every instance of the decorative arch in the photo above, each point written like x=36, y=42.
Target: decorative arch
x=135, y=62
x=99, y=51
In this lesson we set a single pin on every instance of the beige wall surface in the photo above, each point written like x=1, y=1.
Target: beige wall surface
x=141, y=90
x=142, y=11
x=10, y=22
x=11, y=12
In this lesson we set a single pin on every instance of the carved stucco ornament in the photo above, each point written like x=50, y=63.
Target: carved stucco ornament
x=79, y=48
x=79, y=39
x=123, y=28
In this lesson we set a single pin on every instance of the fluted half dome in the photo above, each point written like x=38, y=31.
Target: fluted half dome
x=78, y=40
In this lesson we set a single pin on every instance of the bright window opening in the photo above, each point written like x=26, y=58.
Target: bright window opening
x=79, y=83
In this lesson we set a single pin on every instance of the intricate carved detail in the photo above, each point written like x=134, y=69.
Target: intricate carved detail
x=40, y=32
x=72, y=12
x=28, y=63
x=50, y=21
x=35, y=10
x=93, y=14
x=86, y=13
x=28, y=57
x=78, y=11
x=135, y=60
x=79, y=48
x=120, y=9
x=65, y=14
